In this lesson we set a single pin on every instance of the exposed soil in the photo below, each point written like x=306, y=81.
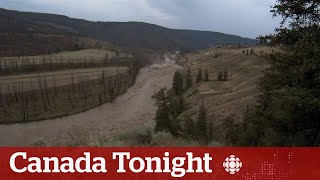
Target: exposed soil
x=133, y=109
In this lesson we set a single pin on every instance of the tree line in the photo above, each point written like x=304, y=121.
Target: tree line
x=172, y=116
x=25, y=65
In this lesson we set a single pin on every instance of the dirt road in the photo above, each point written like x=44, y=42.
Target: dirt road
x=133, y=109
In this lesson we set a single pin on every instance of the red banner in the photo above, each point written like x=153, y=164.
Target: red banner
x=159, y=163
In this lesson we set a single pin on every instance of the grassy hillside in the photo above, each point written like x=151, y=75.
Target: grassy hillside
x=228, y=97
x=225, y=98
x=129, y=34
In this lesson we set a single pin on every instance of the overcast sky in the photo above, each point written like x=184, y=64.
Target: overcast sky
x=248, y=18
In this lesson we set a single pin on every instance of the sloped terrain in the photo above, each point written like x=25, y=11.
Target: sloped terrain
x=128, y=34
x=231, y=97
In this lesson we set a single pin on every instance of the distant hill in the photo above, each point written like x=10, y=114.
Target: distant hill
x=129, y=34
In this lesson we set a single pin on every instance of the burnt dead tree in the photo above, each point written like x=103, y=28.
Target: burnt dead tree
x=34, y=100
x=54, y=93
x=46, y=89
x=42, y=94
x=2, y=105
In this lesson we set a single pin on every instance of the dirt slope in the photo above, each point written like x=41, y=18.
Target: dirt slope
x=133, y=109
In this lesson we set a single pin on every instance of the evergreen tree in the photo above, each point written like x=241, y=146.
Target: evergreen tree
x=206, y=76
x=168, y=110
x=288, y=108
x=177, y=107
x=188, y=79
x=162, y=117
x=202, y=124
x=189, y=130
x=244, y=51
x=177, y=83
x=199, y=76
x=247, y=52
x=180, y=105
x=230, y=127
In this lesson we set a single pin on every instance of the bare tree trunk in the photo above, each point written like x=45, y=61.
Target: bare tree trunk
x=9, y=96
x=70, y=97
x=54, y=94
x=34, y=98
x=15, y=93
x=46, y=89
x=73, y=90
x=85, y=85
x=42, y=94
x=22, y=106
x=81, y=89
x=2, y=105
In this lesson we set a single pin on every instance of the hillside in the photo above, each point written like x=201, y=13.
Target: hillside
x=128, y=34
x=39, y=44
x=225, y=98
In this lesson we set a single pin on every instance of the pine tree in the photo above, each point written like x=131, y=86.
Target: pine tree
x=288, y=110
x=177, y=107
x=199, y=76
x=177, y=83
x=206, y=76
x=168, y=109
x=162, y=117
x=202, y=124
x=232, y=131
x=189, y=129
x=247, y=52
x=188, y=79
x=180, y=105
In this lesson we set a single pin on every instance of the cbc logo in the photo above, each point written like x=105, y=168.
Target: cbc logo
x=232, y=164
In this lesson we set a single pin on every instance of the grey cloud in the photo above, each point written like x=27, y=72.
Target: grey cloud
x=248, y=18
